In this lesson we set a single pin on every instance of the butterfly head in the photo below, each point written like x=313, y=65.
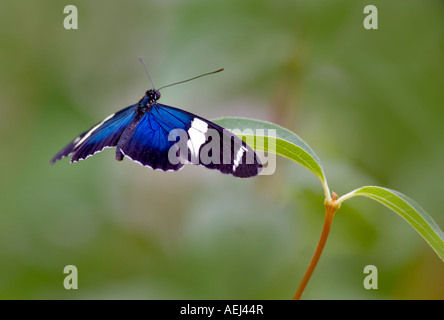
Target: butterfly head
x=151, y=96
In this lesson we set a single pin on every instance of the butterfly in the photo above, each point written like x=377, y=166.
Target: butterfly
x=164, y=137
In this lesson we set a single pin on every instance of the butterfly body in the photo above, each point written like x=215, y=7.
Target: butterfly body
x=163, y=137
x=144, y=105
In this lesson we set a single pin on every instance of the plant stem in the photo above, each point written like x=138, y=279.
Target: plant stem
x=330, y=208
x=326, y=190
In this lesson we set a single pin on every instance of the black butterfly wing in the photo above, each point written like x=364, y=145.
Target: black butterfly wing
x=166, y=136
x=104, y=134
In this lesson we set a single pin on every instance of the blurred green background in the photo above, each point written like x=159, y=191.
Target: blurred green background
x=369, y=103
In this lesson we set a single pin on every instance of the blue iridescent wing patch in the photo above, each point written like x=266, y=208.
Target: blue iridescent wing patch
x=149, y=144
x=103, y=135
x=165, y=138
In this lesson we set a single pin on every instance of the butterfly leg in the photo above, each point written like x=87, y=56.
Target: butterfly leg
x=119, y=155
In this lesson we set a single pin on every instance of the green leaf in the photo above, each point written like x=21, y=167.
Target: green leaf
x=409, y=210
x=285, y=143
x=289, y=145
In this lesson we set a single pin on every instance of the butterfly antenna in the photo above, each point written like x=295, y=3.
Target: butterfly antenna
x=146, y=69
x=205, y=74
